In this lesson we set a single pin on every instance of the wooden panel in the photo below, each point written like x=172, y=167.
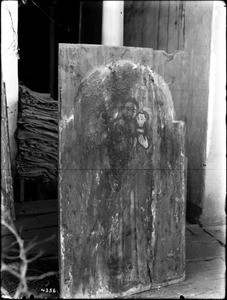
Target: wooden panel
x=122, y=195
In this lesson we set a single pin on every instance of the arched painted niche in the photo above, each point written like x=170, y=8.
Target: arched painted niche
x=122, y=204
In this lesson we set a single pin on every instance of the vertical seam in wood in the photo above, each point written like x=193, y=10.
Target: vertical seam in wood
x=142, y=31
x=178, y=26
x=183, y=27
x=159, y=14
x=168, y=27
x=177, y=14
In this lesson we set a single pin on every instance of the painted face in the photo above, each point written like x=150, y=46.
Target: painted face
x=141, y=119
x=130, y=110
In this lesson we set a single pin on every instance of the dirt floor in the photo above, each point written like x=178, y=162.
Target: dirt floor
x=205, y=270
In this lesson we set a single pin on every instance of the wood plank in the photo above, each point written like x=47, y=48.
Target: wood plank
x=39, y=221
x=201, y=246
x=35, y=222
x=197, y=232
x=218, y=232
x=150, y=19
x=133, y=23
x=163, y=27
x=181, y=25
x=36, y=207
x=203, y=265
x=192, y=251
x=173, y=27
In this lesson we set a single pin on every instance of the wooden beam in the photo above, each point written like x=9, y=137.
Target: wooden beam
x=9, y=63
x=7, y=200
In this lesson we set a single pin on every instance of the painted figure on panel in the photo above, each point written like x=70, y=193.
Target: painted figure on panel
x=121, y=142
x=141, y=130
x=135, y=192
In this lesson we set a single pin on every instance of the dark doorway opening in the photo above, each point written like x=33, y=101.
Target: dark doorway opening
x=42, y=25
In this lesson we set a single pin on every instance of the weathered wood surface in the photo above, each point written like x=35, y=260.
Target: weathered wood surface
x=122, y=205
x=159, y=25
x=204, y=280
x=7, y=201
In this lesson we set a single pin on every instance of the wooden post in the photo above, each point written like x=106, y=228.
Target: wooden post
x=7, y=200
x=9, y=61
x=112, y=23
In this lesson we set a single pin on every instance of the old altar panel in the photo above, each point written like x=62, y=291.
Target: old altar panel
x=121, y=172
